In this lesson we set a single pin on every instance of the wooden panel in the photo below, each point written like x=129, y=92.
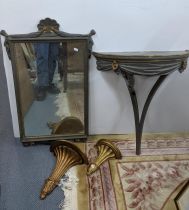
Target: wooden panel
x=26, y=88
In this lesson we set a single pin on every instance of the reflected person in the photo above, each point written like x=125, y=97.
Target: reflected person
x=46, y=60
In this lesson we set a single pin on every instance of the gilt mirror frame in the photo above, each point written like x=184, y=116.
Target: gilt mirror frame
x=48, y=30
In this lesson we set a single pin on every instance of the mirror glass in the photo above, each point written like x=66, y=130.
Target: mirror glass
x=50, y=80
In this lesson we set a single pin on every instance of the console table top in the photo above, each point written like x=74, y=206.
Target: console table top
x=149, y=63
x=143, y=55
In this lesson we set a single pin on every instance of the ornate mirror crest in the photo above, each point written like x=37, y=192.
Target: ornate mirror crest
x=47, y=27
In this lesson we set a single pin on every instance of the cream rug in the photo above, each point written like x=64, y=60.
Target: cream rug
x=69, y=186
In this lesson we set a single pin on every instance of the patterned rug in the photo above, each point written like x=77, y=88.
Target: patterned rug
x=147, y=182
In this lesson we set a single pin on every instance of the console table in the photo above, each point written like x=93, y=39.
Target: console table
x=148, y=64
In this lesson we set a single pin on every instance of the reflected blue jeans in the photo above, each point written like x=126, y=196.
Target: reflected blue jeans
x=46, y=60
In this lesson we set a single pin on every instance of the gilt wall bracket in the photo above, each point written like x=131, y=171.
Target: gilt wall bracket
x=106, y=150
x=67, y=155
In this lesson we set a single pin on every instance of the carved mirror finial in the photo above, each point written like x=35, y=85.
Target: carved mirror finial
x=48, y=25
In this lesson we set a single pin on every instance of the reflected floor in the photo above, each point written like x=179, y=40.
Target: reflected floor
x=37, y=118
x=55, y=108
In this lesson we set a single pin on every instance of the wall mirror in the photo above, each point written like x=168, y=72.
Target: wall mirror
x=50, y=70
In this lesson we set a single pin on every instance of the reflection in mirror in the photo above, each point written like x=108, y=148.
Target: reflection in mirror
x=50, y=79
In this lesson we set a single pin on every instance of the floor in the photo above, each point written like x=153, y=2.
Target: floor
x=22, y=169
x=38, y=116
